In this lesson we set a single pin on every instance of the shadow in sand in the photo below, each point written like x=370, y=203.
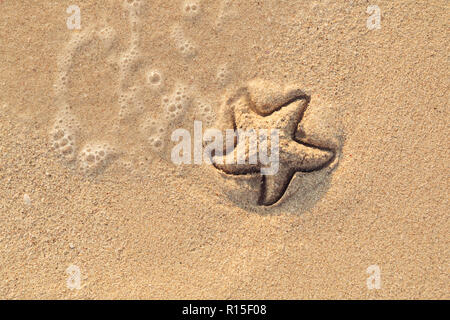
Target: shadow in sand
x=302, y=194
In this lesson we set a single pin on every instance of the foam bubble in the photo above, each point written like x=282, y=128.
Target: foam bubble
x=156, y=132
x=94, y=157
x=60, y=84
x=223, y=75
x=154, y=78
x=78, y=41
x=225, y=12
x=129, y=103
x=63, y=136
x=27, y=199
x=130, y=63
x=177, y=103
x=205, y=113
x=184, y=45
x=191, y=8
x=133, y=5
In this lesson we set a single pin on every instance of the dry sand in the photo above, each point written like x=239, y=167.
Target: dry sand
x=137, y=226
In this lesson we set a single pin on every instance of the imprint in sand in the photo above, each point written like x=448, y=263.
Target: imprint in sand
x=266, y=106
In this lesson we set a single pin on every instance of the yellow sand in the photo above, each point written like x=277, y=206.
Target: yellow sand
x=137, y=226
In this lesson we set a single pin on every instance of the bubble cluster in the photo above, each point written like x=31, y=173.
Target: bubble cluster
x=225, y=12
x=154, y=78
x=129, y=103
x=223, y=75
x=60, y=86
x=155, y=131
x=94, y=157
x=66, y=128
x=63, y=135
x=205, y=113
x=63, y=141
x=177, y=103
x=139, y=82
x=191, y=8
x=184, y=45
x=133, y=7
x=130, y=63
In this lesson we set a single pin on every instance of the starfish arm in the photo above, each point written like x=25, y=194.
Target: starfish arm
x=245, y=118
x=228, y=162
x=302, y=157
x=274, y=186
x=269, y=97
x=287, y=118
x=226, y=117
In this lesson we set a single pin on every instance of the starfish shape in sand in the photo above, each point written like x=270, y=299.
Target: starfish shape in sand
x=294, y=156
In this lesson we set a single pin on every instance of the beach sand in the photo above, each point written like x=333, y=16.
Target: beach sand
x=92, y=207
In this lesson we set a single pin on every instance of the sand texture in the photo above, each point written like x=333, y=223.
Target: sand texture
x=92, y=205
